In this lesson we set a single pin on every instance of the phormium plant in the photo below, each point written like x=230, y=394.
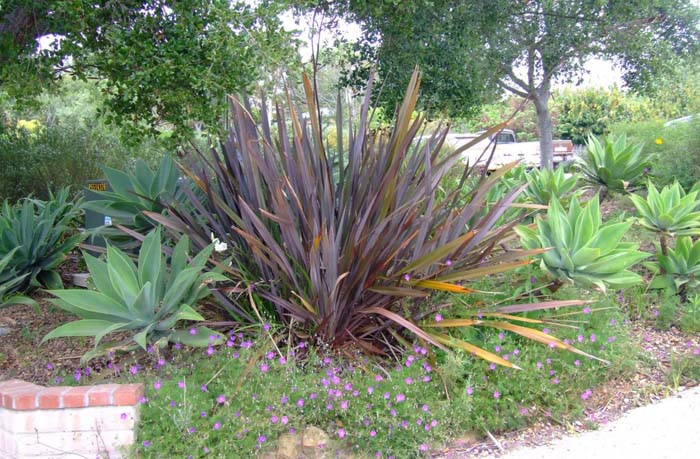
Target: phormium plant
x=346, y=249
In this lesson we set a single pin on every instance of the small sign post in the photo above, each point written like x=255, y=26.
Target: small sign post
x=93, y=219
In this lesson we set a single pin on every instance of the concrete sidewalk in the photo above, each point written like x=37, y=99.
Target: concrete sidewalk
x=669, y=429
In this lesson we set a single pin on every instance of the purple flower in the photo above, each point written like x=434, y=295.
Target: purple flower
x=146, y=443
x=400, y=397
x=264, y=367
x=284, y=420
x=586, y=394
x=300, y=402
x=372, y=433
x=181, y=384
x=423, y=447
x=266, y=327
x=123, y=416
x=134, y=369
x=203, y=388
x=586, y=310
x=77, y=374
x=592, y=337
x=496, y=394
x=262, y=439
x=448, y=262
x=221, y=399
x=577, y=362
x=193, y=331
x=341, y=433
x=407, y=278
x=274, y=419
x=470, y=390
x=438, y=317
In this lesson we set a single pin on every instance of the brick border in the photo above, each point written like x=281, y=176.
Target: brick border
x=47, y=422
x=19, y=395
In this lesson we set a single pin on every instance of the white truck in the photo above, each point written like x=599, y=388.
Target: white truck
x=508, y=149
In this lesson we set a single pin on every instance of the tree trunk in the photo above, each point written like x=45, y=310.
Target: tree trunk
x=544, y=126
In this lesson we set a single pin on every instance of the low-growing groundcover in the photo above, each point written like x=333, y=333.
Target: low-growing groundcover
x=236, y=400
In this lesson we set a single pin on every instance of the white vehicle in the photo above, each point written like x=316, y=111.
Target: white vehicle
x=508, y=149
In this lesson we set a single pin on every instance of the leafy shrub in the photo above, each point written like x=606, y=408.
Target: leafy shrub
x=674, y=150
x=589, y=112
x=57, y=156
x=37, y=234
x=146, y=300
x=615, y=164
x=545, y=184
x=582, y=248
x=343, y=258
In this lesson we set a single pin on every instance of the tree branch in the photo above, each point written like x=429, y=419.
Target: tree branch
x=515, y=91
x=515, y=79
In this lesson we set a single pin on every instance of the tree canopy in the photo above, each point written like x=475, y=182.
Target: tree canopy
x=159, y=61
x=524, y=46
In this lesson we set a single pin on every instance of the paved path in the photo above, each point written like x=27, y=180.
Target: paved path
x=669, y=429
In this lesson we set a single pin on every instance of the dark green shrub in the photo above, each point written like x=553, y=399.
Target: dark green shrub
x=55, y=156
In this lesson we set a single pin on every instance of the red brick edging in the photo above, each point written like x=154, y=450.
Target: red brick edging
x=16, y=394
x=48, y=422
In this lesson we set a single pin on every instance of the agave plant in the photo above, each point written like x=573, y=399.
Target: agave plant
x=147, y=299
x=679, y=269
x=133, y=194
x=345, y=248
x=35, y=233
x=614, y=165
x=671, y=213
x=545, y=184
x=8, y=280
x=582, y=249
